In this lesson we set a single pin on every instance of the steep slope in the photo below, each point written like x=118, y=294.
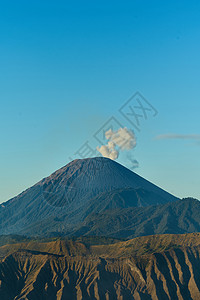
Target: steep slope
x=71, y=190
x=86, y=178
x=182, y=216
x=154, y=267
x=108, y=217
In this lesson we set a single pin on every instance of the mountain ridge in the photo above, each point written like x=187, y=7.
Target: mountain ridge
x=70, y=190
x=153, y=268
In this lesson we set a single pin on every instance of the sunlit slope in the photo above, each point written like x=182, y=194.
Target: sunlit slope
x=153, y=267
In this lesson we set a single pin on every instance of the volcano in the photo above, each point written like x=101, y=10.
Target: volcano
x=81, y=188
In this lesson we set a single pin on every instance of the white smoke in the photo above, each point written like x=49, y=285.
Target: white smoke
x=123, y=138
x=109, y=151
x=120, y=140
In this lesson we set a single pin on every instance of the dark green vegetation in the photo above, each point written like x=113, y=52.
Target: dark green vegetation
x=86, y=240
x=182, y=216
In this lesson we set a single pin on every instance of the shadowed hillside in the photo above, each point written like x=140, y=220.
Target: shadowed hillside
x=181, y=216
x=59, y=203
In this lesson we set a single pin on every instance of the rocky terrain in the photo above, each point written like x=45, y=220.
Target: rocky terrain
x=153, y=267
x=96, y=230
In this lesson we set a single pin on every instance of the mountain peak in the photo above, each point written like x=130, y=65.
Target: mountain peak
x=83, y=179
x=82, y=187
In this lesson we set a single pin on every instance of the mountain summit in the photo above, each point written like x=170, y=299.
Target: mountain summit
x=83, y=179
x=69, y=195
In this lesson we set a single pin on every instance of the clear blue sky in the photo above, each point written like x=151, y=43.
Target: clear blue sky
x=66, y=67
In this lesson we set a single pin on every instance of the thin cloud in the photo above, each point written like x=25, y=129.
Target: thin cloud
x=178, y=137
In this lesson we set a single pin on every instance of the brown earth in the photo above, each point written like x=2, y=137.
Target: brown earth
x=153, y=267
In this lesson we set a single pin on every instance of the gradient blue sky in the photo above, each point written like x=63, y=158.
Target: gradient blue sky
x=66, y=67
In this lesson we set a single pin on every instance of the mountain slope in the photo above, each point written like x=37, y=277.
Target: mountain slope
x=182, y=216
x=69, y=192
x=104, y=218
x=154, y=267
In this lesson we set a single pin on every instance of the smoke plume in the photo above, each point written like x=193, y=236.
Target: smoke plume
x=109, y=151
x=120, y=140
